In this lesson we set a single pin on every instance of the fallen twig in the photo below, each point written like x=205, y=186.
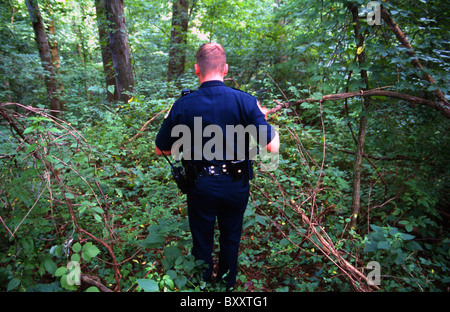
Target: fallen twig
x=88, y=280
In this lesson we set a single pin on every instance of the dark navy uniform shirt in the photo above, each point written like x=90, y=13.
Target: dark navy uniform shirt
x=217, y=106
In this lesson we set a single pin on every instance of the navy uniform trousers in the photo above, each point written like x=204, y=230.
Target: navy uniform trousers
x=211, y=197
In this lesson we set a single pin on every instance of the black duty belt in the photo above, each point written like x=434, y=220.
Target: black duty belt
x=213, y=170
x=236, y=169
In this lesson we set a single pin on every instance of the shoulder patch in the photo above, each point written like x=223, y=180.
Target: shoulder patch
x=185, y=92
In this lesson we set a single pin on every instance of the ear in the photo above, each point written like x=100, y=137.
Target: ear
x=225, y=69
x=197, y=69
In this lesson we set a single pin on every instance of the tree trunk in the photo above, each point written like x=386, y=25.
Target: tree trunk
x=178, y=39
x=119, y=49
x=45, y=54
x=359, y=154
x=108, y=68
x=53, y=45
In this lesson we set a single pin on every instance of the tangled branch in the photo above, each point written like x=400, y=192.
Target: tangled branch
x=437, y=105
x=53, y=142
x=310, y=215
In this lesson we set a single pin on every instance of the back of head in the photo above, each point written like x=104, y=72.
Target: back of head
x=211, y=58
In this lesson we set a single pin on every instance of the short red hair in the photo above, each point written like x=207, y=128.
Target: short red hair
x=211, y=58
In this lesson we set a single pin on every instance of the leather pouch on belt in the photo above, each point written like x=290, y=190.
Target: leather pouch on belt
x=238, y=169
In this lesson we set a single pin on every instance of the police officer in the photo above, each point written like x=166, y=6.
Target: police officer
x=220, y=185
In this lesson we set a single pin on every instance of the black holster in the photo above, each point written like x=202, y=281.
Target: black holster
x=180, y=177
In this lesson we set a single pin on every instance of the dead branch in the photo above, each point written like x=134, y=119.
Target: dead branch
x=438, y=105
x=88, y=280
x=328, y=248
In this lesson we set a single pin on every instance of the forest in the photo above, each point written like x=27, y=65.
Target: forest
x=358, y=89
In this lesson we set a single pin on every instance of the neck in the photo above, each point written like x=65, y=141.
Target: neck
x=210, y=78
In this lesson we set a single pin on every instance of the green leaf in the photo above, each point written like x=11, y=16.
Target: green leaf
x=98, y=209
x=111, y=89
x=168, y=281
x=52, y=159
x=28, y=130
x=76, y=247
x=154, y=239
x=393, y=231
x=148, y=285
x=65, y=284
x=383, y=245
x=92, y=289
x=172, y=252
x=14, y=283
x=172, y=274
x=31, y=148
x=60, y=271
x=371, y=247
x=89, y=251
x=261, y=219
x=57, y=250
x=69, y=195
x=316, y=96
x=50, y=266
x=97, y=217
x=75, y=257
x=413, y=246
x=180, y=281
x=28, y=245
x=54, y=130
x=406, y=236
x=376, y=228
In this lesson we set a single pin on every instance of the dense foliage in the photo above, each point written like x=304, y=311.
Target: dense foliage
x=85, y=193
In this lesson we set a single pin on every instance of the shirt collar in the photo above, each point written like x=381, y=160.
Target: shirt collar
x=212, y=83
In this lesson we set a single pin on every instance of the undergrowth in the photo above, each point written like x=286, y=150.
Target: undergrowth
x=87, y=206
